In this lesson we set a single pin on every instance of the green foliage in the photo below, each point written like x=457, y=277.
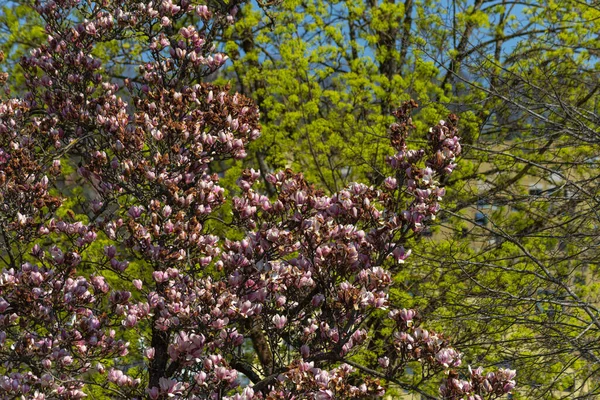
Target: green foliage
x=522, y=80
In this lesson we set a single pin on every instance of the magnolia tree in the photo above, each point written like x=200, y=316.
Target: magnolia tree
x=127, y=292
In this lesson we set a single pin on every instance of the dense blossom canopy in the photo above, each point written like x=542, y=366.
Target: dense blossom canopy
x=131, y=292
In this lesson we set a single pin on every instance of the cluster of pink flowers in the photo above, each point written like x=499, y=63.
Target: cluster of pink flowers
x=421, y=181
x=478, y=386
x=144, y=258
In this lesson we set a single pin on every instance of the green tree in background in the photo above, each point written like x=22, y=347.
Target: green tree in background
x=517, y=253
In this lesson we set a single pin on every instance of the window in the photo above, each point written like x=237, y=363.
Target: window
x=481, y=218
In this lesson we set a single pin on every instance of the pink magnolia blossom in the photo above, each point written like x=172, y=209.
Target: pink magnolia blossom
x=302, y=274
